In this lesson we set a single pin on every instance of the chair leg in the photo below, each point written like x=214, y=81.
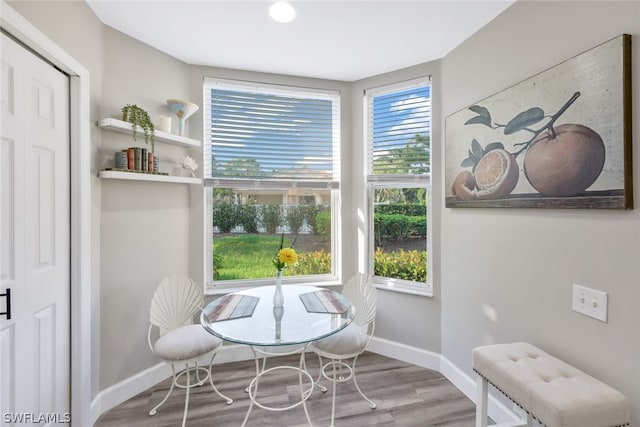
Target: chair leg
x=199, y=381
x=173, y=383
x=303, y=367
x=355, y=381
x=322, y=388
x=227, y=399
x=333, y=397
x=186, y=400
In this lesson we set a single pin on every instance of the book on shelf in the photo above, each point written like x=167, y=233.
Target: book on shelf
x=135, y=171
x=143, y=159
x=136, y=159
x=137, y=154
x=131, y=158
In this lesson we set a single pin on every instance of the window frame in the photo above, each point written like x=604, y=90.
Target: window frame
x=373, y=182
x=213, y=287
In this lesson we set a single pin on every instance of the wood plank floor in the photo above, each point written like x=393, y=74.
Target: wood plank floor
x=405, y=394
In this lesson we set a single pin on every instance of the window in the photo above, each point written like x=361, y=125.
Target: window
x=271, y=158
x=399, y=185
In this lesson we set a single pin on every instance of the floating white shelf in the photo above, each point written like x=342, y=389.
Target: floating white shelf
x=133, y=176
x=120, y=126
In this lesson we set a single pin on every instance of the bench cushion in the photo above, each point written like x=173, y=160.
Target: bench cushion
x=551, y=390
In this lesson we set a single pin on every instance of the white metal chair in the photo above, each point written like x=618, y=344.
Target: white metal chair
x=173, y=307
x=350, y=342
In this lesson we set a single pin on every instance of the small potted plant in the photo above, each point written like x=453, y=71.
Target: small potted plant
x=139, y=117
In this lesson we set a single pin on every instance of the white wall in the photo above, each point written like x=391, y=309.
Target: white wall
x=521, y=263
x=145, y=226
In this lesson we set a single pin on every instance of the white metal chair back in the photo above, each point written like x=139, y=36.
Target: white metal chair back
x=361, y=291
x=175, y=303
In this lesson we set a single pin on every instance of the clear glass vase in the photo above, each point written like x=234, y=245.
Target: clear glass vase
x=278, y=297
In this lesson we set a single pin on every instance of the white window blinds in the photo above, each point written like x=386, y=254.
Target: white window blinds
x=399, y=127
x=266, y=135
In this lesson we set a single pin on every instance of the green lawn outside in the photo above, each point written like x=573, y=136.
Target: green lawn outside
x=246, y=256
x=249, y=256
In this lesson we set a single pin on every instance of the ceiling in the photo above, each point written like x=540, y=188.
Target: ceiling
x=338, y=40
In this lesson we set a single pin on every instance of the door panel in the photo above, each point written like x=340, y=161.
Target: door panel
x=44, y=206
x=6, y=86
x=43, y=106
x=7, y=208
x=8, y=367
x=45, y=358
x=34, y=221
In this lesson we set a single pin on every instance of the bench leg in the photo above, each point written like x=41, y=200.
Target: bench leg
x=482, y=392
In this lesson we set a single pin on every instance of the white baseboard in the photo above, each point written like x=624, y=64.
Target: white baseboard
x=406, y=353
x=467, y=385
x=126, y=389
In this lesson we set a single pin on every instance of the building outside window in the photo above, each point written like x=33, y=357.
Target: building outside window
x=271, y=160
x=398, y=179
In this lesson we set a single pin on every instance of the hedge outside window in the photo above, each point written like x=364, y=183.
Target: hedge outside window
x=271, y=168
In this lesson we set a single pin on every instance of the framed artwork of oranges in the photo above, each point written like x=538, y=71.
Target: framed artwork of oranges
x=560, y=139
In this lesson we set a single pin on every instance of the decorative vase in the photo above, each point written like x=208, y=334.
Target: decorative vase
x=278, y=297
x=183, y=109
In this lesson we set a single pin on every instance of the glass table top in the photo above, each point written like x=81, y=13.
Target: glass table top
x=269, y=326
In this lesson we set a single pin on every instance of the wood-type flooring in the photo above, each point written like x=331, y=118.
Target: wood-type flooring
x=405, y=394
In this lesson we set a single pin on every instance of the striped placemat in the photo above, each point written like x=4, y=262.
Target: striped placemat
x=233, y=306
x=323, y=301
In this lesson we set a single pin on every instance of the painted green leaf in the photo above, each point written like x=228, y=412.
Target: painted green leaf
x=480, y=110
x=476, y=147
x=474, y=156
x=524, y=119
x=481, y=120
x=493, y=146
x=468, y=162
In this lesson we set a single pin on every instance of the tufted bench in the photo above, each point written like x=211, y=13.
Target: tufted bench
x=548, y=389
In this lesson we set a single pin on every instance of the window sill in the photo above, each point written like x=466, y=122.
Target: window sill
x=212, y=290
x=406, y=289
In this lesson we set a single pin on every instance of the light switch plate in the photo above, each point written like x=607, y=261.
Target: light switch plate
x=590, y=302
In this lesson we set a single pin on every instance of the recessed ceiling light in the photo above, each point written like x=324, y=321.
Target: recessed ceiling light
x=282, y=12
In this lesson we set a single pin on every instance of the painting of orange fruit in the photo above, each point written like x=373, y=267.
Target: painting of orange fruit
x=560, y=139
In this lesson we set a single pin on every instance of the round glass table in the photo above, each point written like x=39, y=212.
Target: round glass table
x=249, y=317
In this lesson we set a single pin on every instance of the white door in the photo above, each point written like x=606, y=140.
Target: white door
x=34, y=240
